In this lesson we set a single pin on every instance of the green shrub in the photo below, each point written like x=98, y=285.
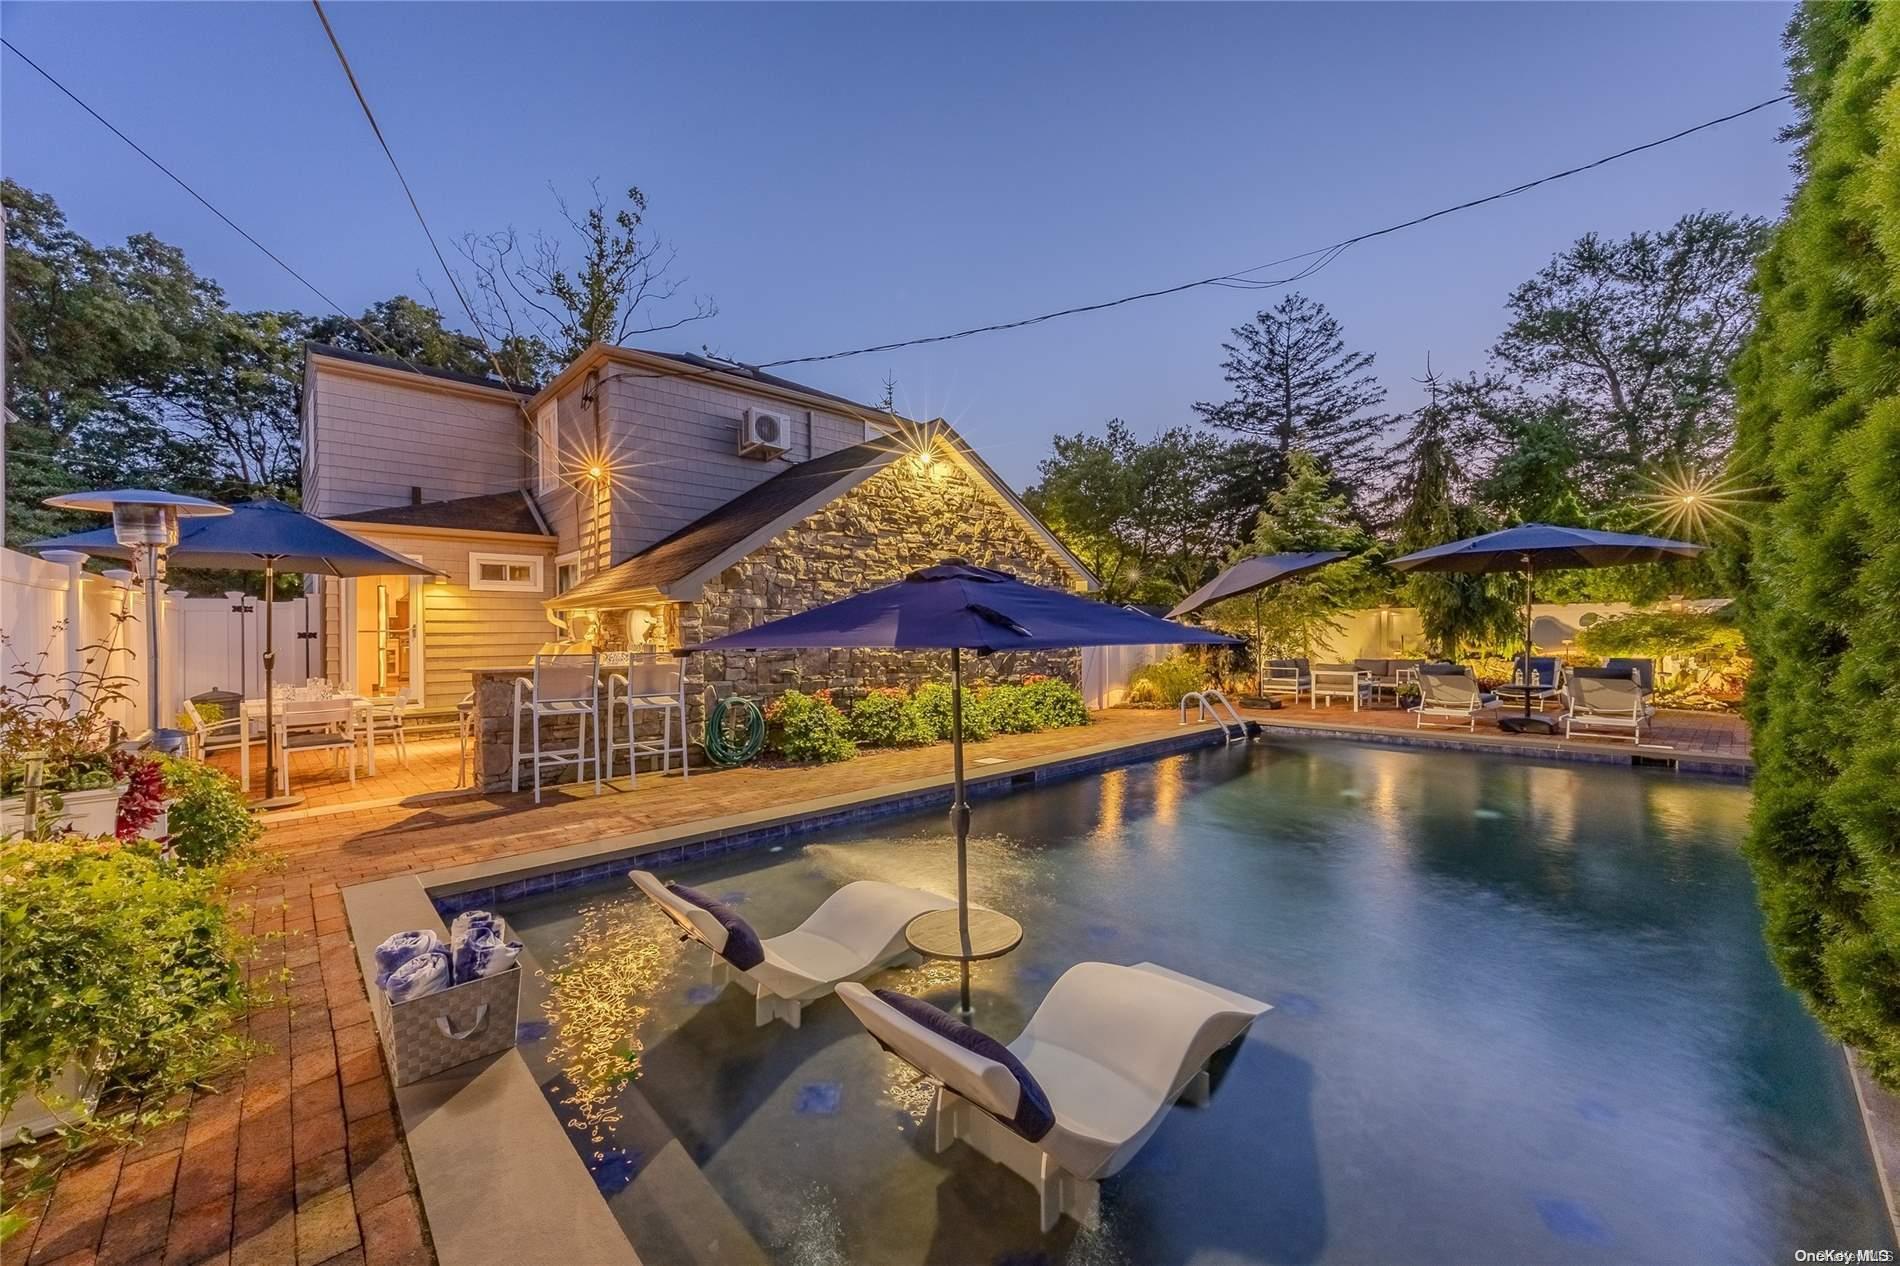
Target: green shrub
x=109, y=954
x=1007, y=710
x=1170, y=678
x=210, y=823
x=1145, y=692
x=1818, y=431
x=808, y=728
x=932, y=702
x=1055, y=704
x=888, y=718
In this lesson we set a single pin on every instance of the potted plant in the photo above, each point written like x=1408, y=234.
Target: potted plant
x=56, y=747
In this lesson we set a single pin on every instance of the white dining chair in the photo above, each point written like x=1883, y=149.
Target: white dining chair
x=563, y=687
x=652, y=683
x=319, y=725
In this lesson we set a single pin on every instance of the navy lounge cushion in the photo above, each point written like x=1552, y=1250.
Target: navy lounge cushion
x=1033, y=1117
x=742, y=943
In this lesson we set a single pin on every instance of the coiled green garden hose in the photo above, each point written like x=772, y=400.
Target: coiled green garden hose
x=721, y=748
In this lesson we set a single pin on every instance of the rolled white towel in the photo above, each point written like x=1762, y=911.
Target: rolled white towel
x=484, y=951
x=418, y=977
x=402, y=947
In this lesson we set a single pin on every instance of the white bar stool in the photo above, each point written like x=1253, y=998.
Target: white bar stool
x=651, y=683
x=562, y=686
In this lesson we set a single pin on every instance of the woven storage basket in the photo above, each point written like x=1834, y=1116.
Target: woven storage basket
x=437, y=1031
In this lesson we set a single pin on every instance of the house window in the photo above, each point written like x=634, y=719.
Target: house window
x=520, y=572
x=567, y=572
x=547, y=449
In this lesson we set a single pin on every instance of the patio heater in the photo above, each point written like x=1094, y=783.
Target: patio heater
x=145, y=523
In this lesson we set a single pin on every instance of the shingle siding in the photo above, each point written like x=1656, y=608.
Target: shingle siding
x=676, y=441
x=375, y=440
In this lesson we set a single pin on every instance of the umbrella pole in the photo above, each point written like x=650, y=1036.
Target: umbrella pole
x=271, y=799
x=1259, y=653
x=960, y=821
x=1530, y=584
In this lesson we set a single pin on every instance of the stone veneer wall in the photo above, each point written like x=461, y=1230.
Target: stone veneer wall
x=899, y=520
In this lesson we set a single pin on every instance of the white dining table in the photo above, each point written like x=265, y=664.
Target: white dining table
x=363, y=706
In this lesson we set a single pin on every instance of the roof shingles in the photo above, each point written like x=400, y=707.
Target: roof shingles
x=492, y=512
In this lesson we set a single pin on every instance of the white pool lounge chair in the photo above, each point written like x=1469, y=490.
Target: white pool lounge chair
x=1449, y=698
x=1104, y=1057
x=857, y=931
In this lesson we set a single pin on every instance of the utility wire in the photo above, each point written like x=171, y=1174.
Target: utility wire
x=1239, y=279
x=374, y=126
x=375, y=339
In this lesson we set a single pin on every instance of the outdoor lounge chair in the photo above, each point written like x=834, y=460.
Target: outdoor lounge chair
x=1071, y=1100
x=1288, y=677
x=1449, y=694
x=858, y=930
x=1607, y=699
x=1545, y=682
x=1645, y=670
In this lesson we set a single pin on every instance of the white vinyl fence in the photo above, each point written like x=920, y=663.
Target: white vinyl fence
x=60, y=619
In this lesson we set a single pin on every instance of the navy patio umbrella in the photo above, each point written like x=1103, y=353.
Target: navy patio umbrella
x=1534, y=547
x=955, y=606
x=1254, y=575
x=272, y=535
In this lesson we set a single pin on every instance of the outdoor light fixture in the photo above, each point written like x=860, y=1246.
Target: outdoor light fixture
x=146, y=523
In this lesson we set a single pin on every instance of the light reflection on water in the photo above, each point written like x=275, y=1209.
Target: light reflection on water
x=596, y=1000
x=1522, y=1013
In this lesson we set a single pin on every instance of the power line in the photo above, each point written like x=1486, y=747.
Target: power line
x=1239, y=279
x=415, y=206
x=210, y=206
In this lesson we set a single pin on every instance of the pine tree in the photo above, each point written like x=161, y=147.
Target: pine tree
x=1295, y=386
x=1431, y=509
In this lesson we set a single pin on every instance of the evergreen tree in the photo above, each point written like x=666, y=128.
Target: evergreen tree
x=1296, y=387
x=1304, y=514
x=1818, y=425
x=1432, y=508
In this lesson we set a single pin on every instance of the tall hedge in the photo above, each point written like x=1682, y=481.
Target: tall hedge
x=1818, y=430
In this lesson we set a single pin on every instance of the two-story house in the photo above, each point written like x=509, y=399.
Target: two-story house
x=640, y=500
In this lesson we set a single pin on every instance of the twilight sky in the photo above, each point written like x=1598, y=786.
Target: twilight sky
x=850, y=174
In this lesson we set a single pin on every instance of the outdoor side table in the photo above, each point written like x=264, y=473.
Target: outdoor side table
x=936, y=934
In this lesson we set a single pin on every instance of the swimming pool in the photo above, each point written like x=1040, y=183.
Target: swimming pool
x=1522, y=1013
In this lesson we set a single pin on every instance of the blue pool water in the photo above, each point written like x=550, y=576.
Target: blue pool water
x=1522, y=1014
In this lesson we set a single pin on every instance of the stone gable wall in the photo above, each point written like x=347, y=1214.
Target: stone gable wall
x=901, y=519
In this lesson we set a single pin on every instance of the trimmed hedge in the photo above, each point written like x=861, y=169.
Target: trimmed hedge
x=1818, y=427
x=810, y=728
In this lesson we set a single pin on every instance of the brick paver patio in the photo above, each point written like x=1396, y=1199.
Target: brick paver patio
x=299, y=1159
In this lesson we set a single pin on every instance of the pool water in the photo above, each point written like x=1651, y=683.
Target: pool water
x=1522, y=1014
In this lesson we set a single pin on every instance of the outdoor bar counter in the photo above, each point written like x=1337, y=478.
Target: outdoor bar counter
x=493, y=739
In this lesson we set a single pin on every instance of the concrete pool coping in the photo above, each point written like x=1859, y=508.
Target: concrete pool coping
x=495, y=1170
x=497, y=1175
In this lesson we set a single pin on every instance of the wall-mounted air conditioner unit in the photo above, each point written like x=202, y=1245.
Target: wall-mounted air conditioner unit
x=764, y=433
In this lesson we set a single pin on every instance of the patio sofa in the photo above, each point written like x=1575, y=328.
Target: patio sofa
x=1091, y=1078
x=1390, y=675
x=1330, y=681
x=1609, y=699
